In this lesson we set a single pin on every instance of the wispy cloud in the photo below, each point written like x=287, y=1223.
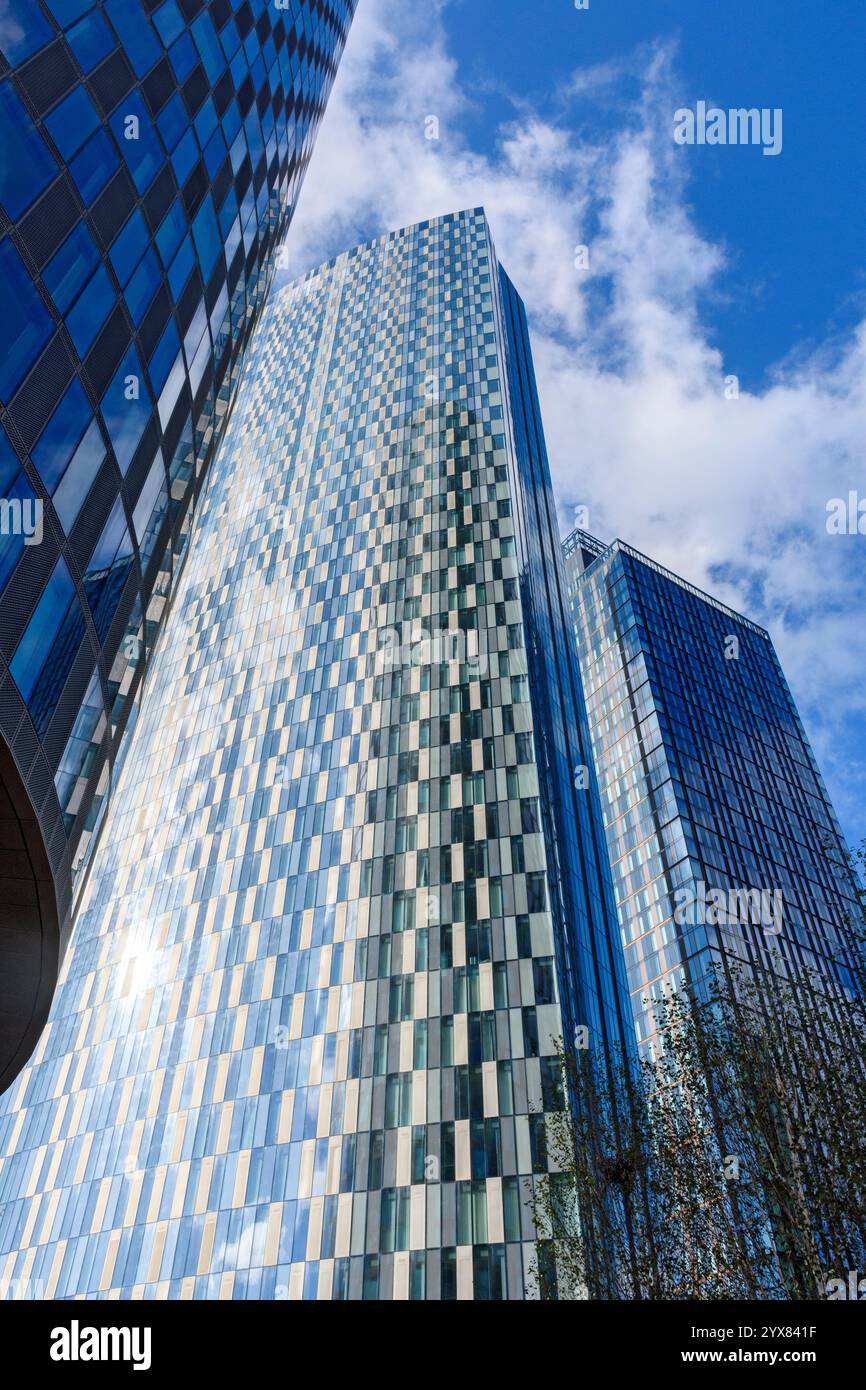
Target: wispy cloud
x=731, y=493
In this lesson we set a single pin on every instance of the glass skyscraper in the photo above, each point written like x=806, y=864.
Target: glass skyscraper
x=349, y=894
x=723, y=842
x=151, y=152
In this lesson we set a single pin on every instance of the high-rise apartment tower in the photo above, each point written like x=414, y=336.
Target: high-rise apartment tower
x=350, y=892
x=723, y=842
x=151, y=152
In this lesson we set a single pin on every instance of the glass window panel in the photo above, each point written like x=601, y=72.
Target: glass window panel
x=136, y=34
x=214, y=155
x=129, y=246
x=91, y=40
x=35, y=645
x=169, y=22
x=66, y=11
x=479, y=1212
x=73, y=488
x=227, y=216
x=57, y=663
x=18, y=520
x=232, y=239
x=109, y=539
x=164, y=356
x=206, y=42
x=197, y=368
x=185, y=157
x=70, y=123
x=26, y=163
x=92, y=168
x=24, y=30
x=9, y=463
x=254, y=136
x=108, y=569
x=150, y=510
x=126, y=409
x=206, y=235
x=80, y=751
x=61, y=435
x=511, y=1208
x=418, y=1276
x=143, y=286
x=179, y=273
x=91, y=311
x=69, y=268
x=183, y=57
x=171, y=233
x=449, y=1275
x=140, y=144
x=27, y=324
x=205, y=122
x=173, y=121
x=464, y=1213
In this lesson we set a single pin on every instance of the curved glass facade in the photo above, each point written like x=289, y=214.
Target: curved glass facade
x=708, y=784
x=348, y=896
x=151, y=156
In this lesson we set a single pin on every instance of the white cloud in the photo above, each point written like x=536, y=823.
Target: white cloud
x=730, y=493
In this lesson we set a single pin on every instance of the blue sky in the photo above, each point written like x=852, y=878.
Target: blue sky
x=793, y=225
x=704, y=263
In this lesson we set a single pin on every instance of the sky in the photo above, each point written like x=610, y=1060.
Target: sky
x=703, y=263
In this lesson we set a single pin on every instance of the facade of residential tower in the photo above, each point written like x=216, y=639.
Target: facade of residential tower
x=151, y=153
x=709, y=786
x=350, y=893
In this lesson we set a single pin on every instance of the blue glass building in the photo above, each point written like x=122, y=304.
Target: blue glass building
x=151, y=152
x=723, y=841
x=349, y=894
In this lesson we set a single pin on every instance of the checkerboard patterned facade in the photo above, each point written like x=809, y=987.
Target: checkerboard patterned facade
x=152, y=154
x=348, y=897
